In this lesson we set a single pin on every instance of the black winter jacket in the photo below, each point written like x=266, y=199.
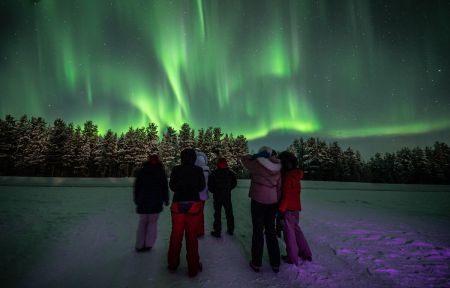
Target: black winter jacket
x=221, y=182
x=151, y=189
x=187, y=180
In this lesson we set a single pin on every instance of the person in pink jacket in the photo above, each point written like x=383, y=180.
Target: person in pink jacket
x=265, y=192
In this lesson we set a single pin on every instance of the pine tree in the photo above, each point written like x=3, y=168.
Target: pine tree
x=152, y=139
x=106, y=154
x=185, y=139
x=420, y=164
x=23, y=141
x=200, y=138
x=8, y=143
x=36, y=150
x=240, y=148
x=226, y=152
x=207, y=146
x=56, y=150
x=122, y=153
x=404, y=165
x=311, y=160
x=168, y=149
x=335, y=162
x=69, y=149
x=87, y=153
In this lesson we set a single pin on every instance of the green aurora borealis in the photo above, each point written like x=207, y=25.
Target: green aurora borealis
x=336, y=69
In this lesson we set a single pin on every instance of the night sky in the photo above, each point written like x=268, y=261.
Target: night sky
x=371, y=74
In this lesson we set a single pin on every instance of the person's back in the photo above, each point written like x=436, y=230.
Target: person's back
x=202, y=162
x=150, y=192
x=151, y=188
x=291, y=189
x=265, y=184
x=186, y=181
x=265, y=191
x=290, y=206
x=221, y=182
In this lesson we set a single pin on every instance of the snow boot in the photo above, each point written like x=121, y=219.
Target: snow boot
x=254, y=267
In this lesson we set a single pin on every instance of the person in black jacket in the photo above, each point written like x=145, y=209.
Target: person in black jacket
x=220, y=183
x=186, y=181
x=150, y=192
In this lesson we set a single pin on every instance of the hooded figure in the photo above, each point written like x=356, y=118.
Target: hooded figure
x=186, y=181
x=265, y=192
x=202, y=162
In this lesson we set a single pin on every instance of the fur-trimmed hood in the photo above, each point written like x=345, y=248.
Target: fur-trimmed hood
x=272, y=164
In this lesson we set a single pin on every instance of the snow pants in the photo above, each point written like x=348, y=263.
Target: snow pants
x=147, y=230
x=228, y=207
x=201, y=223
x=296, y=244
x=185, y=222
x=263, y=220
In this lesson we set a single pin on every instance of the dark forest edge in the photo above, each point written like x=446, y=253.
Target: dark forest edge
x=30, y=147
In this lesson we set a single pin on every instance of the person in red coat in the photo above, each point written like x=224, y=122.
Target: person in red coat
x=290, y=207
x=186, y=181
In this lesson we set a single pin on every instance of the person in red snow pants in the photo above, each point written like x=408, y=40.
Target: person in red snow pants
x=186, y=181
x=185, y=220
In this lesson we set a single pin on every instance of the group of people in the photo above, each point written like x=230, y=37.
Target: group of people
x=274, y=192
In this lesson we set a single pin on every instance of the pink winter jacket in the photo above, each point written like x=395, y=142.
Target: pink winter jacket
x=265, y=186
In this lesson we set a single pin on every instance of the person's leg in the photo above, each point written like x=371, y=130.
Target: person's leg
x=201, y=225
x=217, y=217
x=141, y=231
x=152, y=230
x=290, y=236
x=176, y=238
x=229, y=214
x=302, y=244
x=192, y=256
x=257, y=211
x=271, y=235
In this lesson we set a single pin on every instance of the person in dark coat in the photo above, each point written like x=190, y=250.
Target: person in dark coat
x=186, y=181
x=150, y=192
x=220, y=183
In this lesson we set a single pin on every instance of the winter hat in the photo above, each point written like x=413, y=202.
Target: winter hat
x=222, y=163
x=265, y=148
x=263, y=152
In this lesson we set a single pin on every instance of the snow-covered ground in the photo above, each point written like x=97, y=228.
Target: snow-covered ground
x=80, y=233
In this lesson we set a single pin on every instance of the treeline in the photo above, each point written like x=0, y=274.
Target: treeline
x=329, y=162
x=30, y=147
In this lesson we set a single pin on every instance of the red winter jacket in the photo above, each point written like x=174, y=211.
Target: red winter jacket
x=290, y=195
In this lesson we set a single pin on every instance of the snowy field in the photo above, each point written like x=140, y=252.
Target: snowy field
x=80, y=233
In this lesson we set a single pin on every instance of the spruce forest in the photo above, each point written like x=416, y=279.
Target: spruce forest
x=31, y=147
